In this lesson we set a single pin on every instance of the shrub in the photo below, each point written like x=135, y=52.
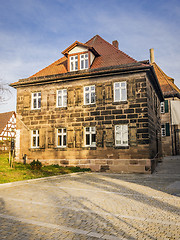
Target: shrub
x=36, y=165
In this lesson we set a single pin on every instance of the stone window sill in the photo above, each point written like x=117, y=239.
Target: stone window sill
x=121, y=147
x=89, y=148
x=60, y=149
x=36, y=149
x=120, y=102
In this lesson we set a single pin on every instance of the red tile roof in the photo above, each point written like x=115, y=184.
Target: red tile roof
x=167, y=83
x=58, y=67
x=4, y=118
x=109, y=56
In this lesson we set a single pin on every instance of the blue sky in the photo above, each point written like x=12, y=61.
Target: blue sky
x=33, y=33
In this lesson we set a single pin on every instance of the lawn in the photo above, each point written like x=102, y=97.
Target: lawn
x=23, y=172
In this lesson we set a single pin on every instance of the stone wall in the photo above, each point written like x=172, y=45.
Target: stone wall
x=105, y=114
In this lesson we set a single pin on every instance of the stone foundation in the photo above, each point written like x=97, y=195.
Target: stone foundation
x=104, y=165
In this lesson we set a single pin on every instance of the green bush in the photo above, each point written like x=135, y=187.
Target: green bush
x=36, y=165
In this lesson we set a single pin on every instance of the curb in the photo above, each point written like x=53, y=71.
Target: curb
x=18, y=183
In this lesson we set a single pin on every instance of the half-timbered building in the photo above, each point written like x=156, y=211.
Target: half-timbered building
x=7, y=129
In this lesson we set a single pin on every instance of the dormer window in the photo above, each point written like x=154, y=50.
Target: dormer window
x=84, y=61
x=80, y=56
x=74, y=63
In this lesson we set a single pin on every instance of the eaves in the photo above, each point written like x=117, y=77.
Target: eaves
x=79, y=75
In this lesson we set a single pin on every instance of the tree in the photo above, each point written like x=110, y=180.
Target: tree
x=5, y=93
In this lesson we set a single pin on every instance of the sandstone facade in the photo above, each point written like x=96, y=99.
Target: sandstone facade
x=140, y=112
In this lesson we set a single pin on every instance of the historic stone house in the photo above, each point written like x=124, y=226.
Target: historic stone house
x=170, y=111
x=95, y=107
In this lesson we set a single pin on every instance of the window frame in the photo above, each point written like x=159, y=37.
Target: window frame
x=62, y=96
x=84, y=61
x=91, y=132
x=120, y=88
x=37, y=100
x=73, y=59
x=89, y=92
x=121, y=138
x=163, y=130
x=162, y=107
x=36, y=135
x=62, y=134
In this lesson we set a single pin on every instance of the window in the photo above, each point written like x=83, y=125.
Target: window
x=165, y=130
x=121, y=135
x=61, y=98
x=36, y=100
x=84, y=61
x=162, y=107
x=35, y=139
x=74, y=63
x=90, y=136
x=61, y=137
x=120, y=91
x=89, y=95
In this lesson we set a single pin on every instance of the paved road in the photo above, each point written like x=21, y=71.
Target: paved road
x=94, y=206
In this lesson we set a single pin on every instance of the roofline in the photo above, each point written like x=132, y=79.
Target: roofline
x=76, y=74
x=157, y=83
x=168, y=95
x=91, y=73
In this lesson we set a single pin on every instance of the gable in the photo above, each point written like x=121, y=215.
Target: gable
x=7, y=125
x=78, y=49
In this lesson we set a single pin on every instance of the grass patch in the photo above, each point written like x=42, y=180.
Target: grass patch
x=23, y=172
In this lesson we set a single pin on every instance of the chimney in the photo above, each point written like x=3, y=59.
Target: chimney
x=115, y=44
x=151, y=55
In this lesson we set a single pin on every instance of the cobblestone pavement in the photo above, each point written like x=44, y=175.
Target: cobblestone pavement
x=94, y=206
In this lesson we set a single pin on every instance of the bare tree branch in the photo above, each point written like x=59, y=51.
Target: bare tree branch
x=5, y=93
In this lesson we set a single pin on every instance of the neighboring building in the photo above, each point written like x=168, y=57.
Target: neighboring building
x=170, y=111
x=95, y=107
x=7, y=129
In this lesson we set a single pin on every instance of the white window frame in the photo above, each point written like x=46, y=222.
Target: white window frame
x=120, y=88
x=84, y=59
x=63, y=94
x=162, y=107
x=36, y=98
x=73, y=61
x=123, y=131
x=36, y=136
x=89, y=92
x=62, y=134
x=163, y=130
x=90, y=131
